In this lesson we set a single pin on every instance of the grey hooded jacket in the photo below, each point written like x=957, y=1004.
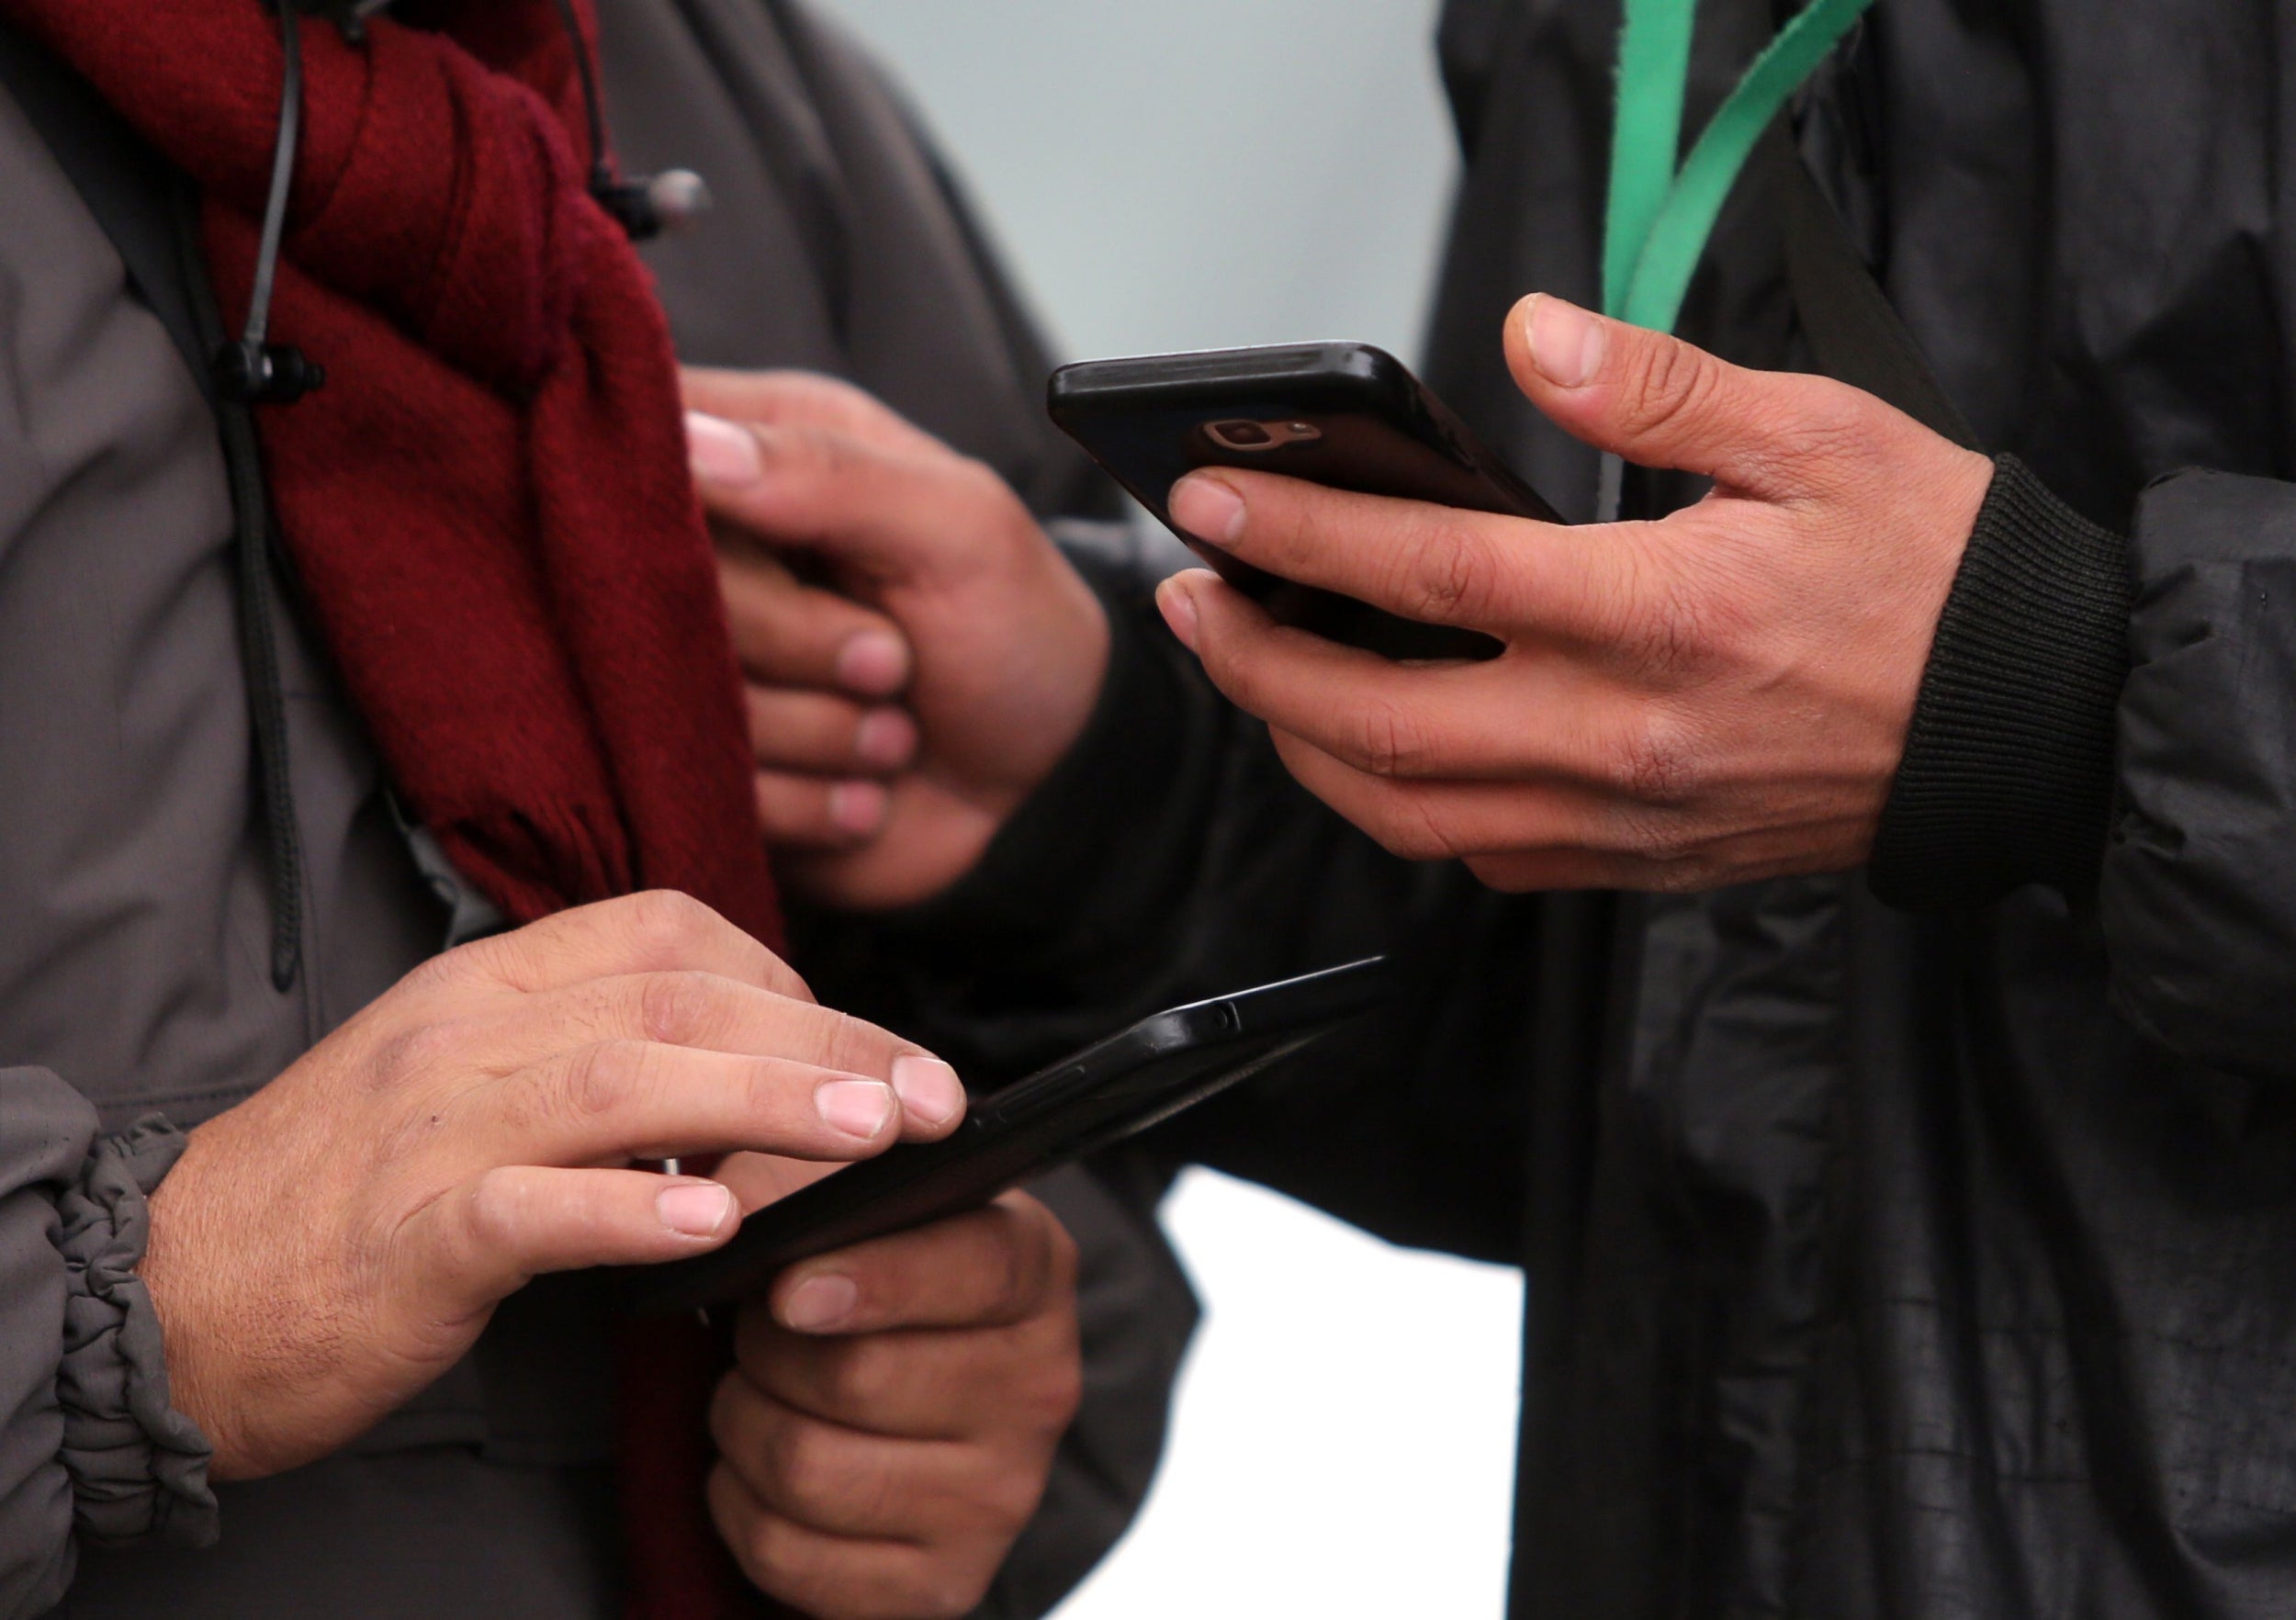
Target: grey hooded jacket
x=133, y=912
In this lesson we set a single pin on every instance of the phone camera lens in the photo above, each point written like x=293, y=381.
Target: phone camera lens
x=1242, y=435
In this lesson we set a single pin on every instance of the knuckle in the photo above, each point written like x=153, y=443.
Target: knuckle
x=1022, y=1269
x=950, y=1594
x=676, y=1009
x=860, y=1375
x=665, y=925
x=816, y=1468
x=491, y=1207
x=1451, y=574
x=773, y=1557
x=1410, y=829
x=1669, y=383
x=1388, y=741
x=1055, y=1392
x=604, y=1078
x=826, y=453
x=420, y=1053
x=1065, y=1257
x=1659, y=764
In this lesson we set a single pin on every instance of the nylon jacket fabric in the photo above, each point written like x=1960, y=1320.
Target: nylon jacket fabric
x=1879, y=1266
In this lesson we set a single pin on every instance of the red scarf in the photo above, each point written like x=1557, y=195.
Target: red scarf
x=487, y=504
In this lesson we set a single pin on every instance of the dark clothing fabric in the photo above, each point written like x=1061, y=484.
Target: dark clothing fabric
x=1879, y=1264
x=135, y=916
x=2007, y=778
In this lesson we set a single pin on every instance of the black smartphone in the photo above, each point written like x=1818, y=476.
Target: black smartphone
x=1347, y=415
x=1102, y=1095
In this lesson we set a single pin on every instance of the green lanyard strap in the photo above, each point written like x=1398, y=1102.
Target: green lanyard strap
x=1660, y=219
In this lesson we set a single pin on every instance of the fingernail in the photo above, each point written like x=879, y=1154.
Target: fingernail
x=1209, y=509
x=884, y=737
x=819, y=1302
x=697, y=1208
x=874, y=664
x=857, y=808
x=858, y=1107
x=721, y=453
x=929, y=1088
x=1567, y=343
x=1179, y=610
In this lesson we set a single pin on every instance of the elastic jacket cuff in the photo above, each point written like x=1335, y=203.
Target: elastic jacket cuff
x=2008, y=776
x=138, y=1468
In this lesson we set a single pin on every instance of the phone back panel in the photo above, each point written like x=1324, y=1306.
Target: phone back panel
x=1347, y=416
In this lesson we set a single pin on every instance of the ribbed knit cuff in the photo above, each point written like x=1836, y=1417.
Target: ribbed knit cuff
x=2008, y=777
x=138, y=1468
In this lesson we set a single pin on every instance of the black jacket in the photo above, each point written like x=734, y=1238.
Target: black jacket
x=1930, y=1261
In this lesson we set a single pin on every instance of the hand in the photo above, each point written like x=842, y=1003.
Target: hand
x=943, y=594
x=330, y=1246
x=891, y=1420
x=1706, y=700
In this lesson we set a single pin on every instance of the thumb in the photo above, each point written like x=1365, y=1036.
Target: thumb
x=1657, y=401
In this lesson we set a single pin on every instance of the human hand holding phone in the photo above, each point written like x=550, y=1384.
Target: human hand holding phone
x=1711, y=699
x=919, y=655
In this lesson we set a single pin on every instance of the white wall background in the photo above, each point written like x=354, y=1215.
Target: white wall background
x=1194, y=174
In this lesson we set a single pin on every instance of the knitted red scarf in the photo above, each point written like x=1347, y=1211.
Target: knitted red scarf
x=487, y=504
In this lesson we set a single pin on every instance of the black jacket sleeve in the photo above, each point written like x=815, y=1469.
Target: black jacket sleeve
x=2198, y=899
x=2117, y=719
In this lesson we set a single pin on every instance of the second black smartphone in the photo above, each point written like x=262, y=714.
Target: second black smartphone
x=1348, y=416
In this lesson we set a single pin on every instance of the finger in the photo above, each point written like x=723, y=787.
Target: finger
x=699, y=1012
x=987, y=1267
x=842, y=1578
x=800, y=398
x=892, y=517
x=1658, y=401
x=487, y=1239
x=620, y=1100
x=790, y=634
x=811, y=731
x=1435, y=564
x=843, y=1482
x=658, y=931
x=1530, y=712
x=1443, y=821
x=813, y=813
x=922, y=1384
x=759, y=1179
